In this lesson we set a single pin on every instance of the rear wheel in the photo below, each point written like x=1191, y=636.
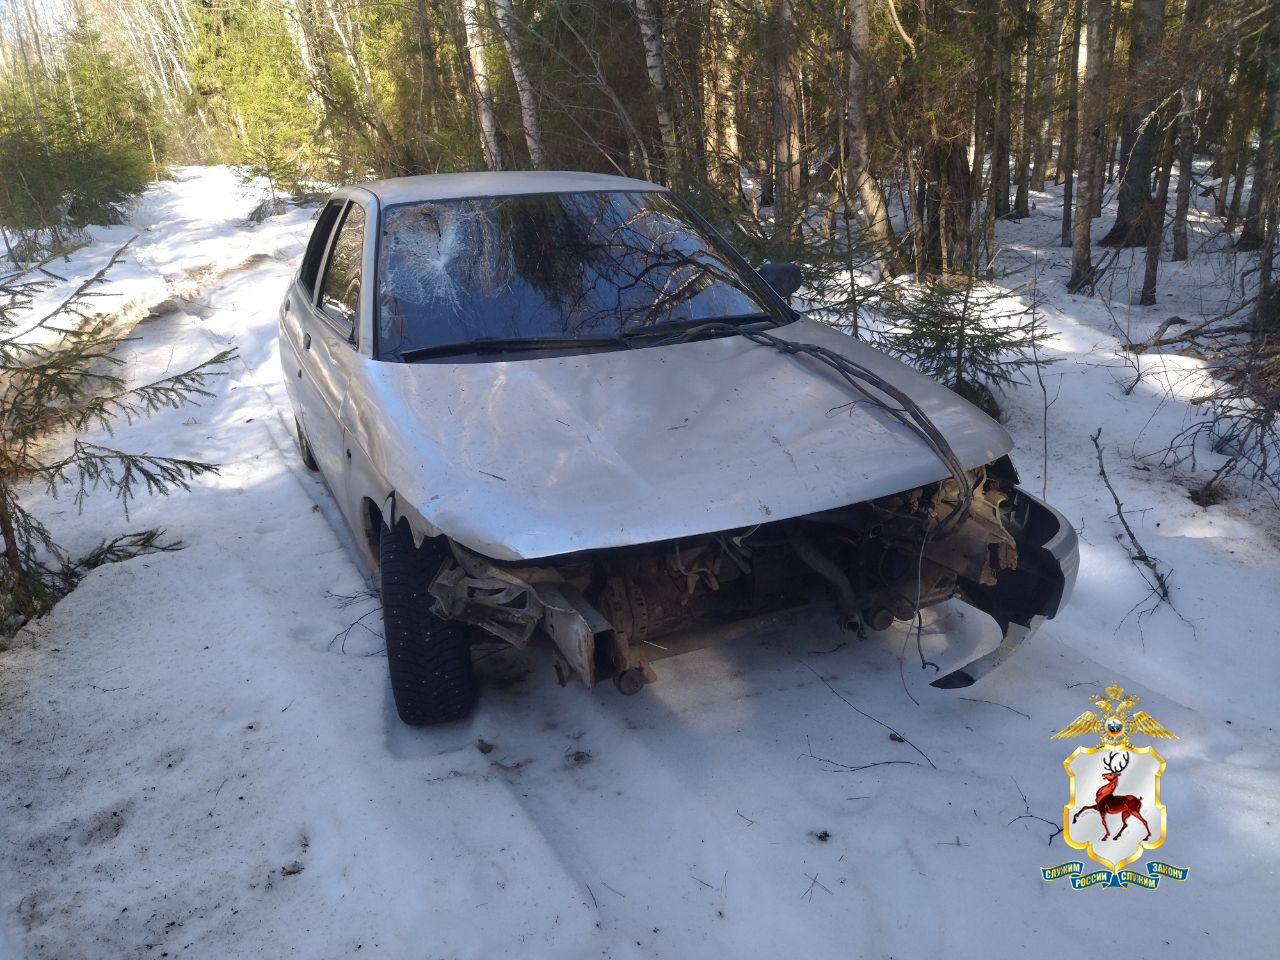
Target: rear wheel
x=304, y=448
x=429, y=657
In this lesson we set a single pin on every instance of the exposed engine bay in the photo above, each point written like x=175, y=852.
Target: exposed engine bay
x=611, y=612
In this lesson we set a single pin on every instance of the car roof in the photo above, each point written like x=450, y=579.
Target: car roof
x=452, y=186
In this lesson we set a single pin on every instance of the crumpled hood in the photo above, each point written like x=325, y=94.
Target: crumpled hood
x=533, y=458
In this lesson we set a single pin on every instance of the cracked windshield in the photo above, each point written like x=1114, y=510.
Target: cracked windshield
x=577, y=265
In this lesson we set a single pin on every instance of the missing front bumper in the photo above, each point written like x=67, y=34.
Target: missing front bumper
x=1021, y=554
x=1022, y=599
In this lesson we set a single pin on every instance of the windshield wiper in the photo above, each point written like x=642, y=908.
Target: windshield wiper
x=501, y=344
x=681, y=326
x=623, y=338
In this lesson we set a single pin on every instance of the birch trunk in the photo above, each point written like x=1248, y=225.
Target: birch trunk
x=374, y=116
x=655, y=61
x=296, y=26
x=508, y=26
x=727, y=93
x=482, y=94
x=31, y=91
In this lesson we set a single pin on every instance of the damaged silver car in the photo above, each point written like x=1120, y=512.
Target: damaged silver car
x=558, y=406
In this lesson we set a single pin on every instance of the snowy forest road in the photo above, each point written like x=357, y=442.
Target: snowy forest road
x=201, y=757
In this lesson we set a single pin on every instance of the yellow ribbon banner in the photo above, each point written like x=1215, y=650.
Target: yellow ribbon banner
x=1148, y=881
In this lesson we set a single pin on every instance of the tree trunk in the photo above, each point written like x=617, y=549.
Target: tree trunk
x=1266, y=313
x=1067, y=158
x=1154, y=218
x=1091, y=143
x=8, y=249
x=1111, y=30
x=999, y=186
x=1138, y=139
x=1186, y=140
x=1232, y=161
x=786, y=122
x=372, y=111
x=983, y=97
x=1182, y=204
x=509, y=28
x=481, y=92
x=727, y=158
x=1237, y=192
x=655, y=59
x=17, y=572
x=1022, y=199
x=31, y=90
x=1045, y=100
x=879, y=230
x=1225, y=169
x=296, y=25
x=1265, y=165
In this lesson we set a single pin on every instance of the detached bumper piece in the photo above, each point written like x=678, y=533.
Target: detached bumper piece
x=1023, y=598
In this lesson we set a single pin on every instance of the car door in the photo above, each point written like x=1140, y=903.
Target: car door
x=329, y=331
x=295, y=322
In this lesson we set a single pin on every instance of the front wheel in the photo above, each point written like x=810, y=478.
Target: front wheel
x=428, y=656
x=304, y=448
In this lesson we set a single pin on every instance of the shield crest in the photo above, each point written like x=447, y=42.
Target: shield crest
x=1115, y=811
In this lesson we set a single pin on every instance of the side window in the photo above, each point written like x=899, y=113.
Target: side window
x=319, y=240
x=340, y=294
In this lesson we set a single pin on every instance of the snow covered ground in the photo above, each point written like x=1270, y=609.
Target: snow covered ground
x=201, y=759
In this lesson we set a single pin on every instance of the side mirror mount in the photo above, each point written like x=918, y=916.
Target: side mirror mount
x=785, y=278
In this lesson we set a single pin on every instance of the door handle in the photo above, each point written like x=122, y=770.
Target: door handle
x=306, y=341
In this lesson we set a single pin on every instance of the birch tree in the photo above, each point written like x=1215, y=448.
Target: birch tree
x=655, y=60
x=481, y=92
x=508, y=26
x=722, y=112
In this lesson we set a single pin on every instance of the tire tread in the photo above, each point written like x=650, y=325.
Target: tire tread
x=429, y=658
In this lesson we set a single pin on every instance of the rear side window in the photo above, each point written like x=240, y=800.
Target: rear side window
x=340, y=296
x=319, y=240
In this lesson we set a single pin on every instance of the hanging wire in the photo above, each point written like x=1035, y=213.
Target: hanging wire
x=870, y=386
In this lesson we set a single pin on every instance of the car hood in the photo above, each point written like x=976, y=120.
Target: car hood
x=533, y=458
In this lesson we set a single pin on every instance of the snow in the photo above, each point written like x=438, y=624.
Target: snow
x=202, y=760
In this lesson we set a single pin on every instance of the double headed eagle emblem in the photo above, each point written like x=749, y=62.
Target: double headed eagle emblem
x=1114, y=725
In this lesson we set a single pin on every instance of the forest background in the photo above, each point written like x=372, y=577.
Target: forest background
x=875, y=142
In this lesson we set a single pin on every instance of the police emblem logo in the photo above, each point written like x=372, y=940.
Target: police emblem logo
x=1114, y=812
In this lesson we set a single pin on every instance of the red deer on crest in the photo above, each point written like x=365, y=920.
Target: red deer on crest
x=1108, y=802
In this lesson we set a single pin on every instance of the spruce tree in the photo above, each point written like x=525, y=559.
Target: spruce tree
x=60, y=378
